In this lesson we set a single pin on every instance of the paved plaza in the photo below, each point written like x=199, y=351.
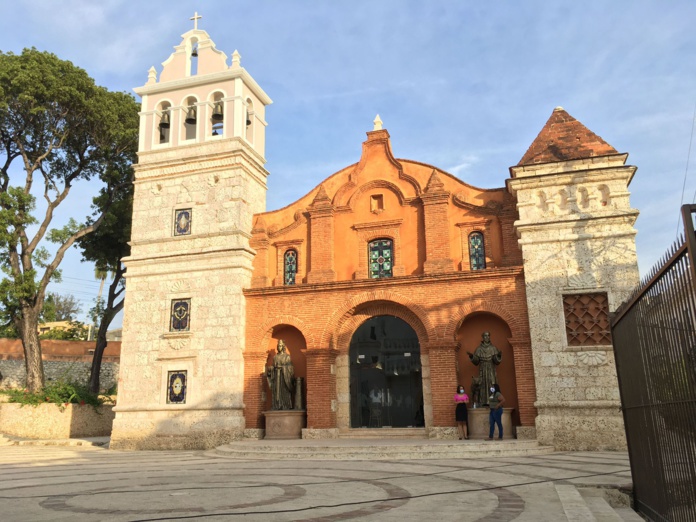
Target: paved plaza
x=54, y=483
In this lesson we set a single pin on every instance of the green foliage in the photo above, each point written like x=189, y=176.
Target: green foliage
x=8, y=331
x=59, y=307
x=61, y=393
x=75, y=332
x=57, y=127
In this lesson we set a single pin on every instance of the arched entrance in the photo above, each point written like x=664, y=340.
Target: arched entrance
x=386, y=387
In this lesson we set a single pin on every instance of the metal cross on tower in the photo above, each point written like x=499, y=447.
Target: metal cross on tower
x=195, y=19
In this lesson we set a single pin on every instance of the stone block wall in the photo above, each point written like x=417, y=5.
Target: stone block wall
x=577, y=238
x=71, y=360
x=222, y=184
x=14, y=374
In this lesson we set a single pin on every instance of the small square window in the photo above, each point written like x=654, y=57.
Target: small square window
x=176, y=387
x=180, y=317
x=377, y=204
x=182, y=222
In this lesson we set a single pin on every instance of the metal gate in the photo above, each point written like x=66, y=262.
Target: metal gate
x=654, y=336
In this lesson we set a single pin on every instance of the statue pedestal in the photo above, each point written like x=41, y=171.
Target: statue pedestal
x=478, y=424
x=285, y=424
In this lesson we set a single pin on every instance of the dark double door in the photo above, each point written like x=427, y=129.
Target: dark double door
x=386, y=388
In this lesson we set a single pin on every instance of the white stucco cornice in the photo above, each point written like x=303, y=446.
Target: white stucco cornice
x=204, y=79
x=562, y=167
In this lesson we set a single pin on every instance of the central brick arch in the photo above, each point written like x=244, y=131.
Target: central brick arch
x=368, y=304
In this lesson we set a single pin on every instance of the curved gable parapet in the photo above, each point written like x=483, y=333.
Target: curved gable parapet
x=298, y=219
x=377, y=183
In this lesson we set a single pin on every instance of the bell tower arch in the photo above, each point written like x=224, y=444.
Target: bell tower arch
x=199, y=180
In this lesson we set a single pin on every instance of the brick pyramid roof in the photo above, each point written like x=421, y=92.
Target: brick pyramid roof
x=564, y=138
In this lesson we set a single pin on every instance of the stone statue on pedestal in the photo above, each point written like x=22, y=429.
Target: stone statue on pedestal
x=281, y=379
x=486, y=357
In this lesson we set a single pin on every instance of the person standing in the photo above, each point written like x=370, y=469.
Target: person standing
x=461, y=414
x=495, y=403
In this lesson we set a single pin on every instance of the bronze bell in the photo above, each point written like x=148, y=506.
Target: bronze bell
x=194, y=51
x=164, y=120
x=218, y=115
x=248, y=119
x=191, y=116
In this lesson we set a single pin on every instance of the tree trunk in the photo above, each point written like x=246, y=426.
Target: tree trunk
x=108, y=316
x=99, y=353
x=28, y=323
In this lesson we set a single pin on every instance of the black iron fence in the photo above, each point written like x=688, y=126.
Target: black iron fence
x=654, y=336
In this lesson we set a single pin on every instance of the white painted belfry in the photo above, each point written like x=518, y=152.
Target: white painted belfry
x=377, y=123
x=220, y=180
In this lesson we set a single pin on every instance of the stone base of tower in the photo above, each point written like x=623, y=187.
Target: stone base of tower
x=176, y=429
x=581, y=427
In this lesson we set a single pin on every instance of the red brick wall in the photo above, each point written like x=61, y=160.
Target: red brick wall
x=425, y=210
x=61, y=350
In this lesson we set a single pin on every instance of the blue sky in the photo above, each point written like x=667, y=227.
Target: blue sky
x=463, y=85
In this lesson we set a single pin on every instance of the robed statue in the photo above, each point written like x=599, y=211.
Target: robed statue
x=486, y=357
x=281, y=379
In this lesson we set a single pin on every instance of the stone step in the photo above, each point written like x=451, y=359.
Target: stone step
x=591, y=505
x=609, y=505
x=6, y=441
x=383, y=433
x=371, y=449
x=574, y=505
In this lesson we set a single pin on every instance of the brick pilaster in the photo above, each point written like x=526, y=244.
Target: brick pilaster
x=259, y=242
x=254, y=387
x=524, y=376
x=321, y=230
x=437, y=242
x=321, y=388
x=443, y=382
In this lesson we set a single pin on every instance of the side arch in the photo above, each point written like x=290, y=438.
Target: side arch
x=262, y=334
x=515, y=324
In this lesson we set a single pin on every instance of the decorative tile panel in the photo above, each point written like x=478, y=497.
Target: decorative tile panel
x=182, y=222
x=587, y=319
x=180, y=317
x=176, y=387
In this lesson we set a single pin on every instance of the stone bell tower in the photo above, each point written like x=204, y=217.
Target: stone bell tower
x=576, y=232
x=199, y=179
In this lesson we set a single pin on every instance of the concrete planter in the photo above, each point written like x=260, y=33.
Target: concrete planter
x=47, y=421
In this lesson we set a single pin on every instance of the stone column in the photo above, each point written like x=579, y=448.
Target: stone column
x=321, y=243
x=437, y=243
x=254, y=392
x=321, y=393
x=443, y=383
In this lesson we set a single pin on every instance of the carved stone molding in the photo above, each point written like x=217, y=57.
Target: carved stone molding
x=592, y=358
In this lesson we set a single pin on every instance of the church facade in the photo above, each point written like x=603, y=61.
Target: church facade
x=380, y=281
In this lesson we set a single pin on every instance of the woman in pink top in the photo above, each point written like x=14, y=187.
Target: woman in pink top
x=461, y=399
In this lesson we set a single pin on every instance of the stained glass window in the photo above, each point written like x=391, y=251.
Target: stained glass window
x=290, y=271
x=176, y=387
x=477, y=252
x=381, y=258
x=180, y=319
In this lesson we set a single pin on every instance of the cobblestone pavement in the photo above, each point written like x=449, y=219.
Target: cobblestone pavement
x=91, y=483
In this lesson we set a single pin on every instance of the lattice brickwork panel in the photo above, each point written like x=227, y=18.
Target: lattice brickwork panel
x=587, y=319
